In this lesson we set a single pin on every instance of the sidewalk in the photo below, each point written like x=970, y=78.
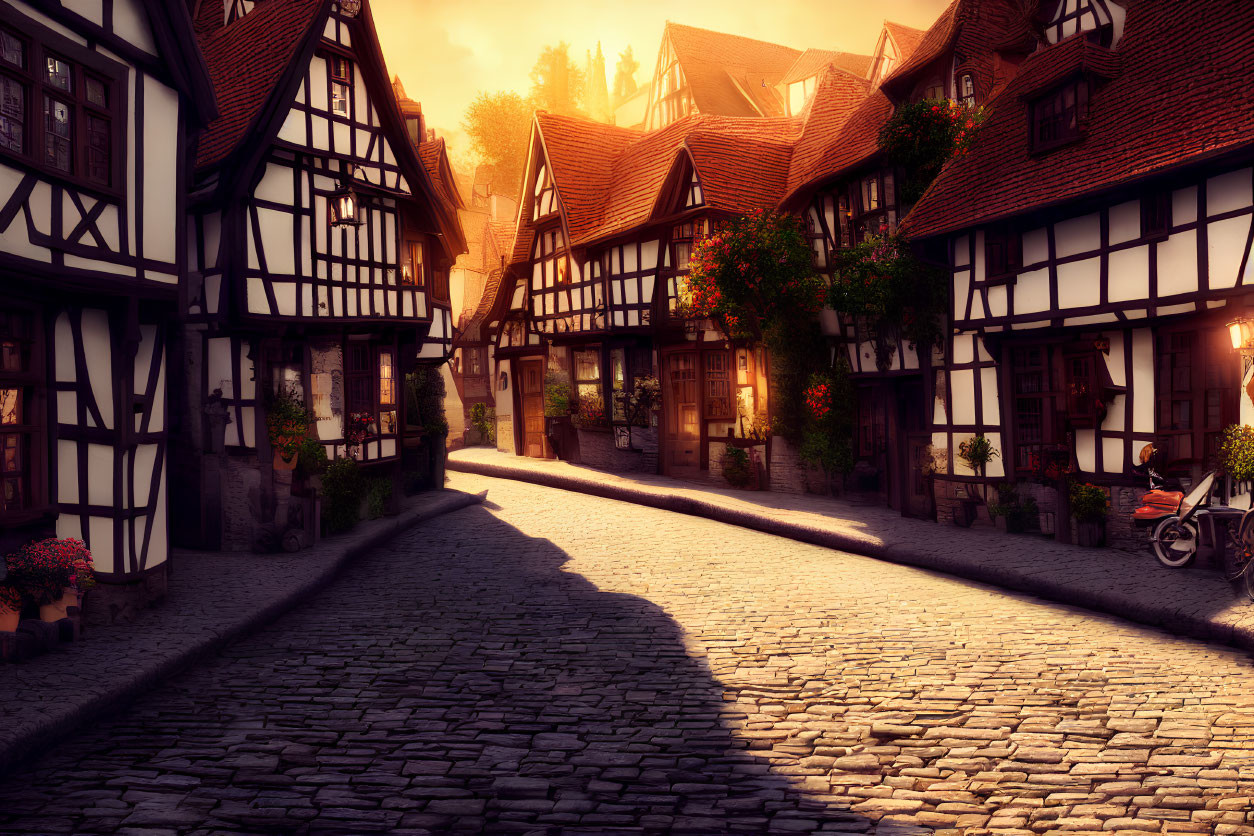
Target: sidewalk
x=1195, y=602
x=213, y=599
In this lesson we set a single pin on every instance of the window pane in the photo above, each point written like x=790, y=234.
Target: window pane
x=98, y=149
x=12, y=50
x=387, y=394
x=339, y=98
x=57, y=147
x=97, y=92
x=587, y=365
x=11, y=454
x=58, y=74
x=12, y=114
x=10, y=406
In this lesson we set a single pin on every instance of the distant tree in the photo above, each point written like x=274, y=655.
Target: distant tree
x=625, y=76
x=557, y=84
x=499, y=127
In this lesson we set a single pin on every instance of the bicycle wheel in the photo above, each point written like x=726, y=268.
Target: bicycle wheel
x=1174, y=543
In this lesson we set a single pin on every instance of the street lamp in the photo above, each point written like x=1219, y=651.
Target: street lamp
x=1241, y=332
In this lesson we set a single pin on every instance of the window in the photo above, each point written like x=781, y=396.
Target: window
x=387, y=393
x=341, y=85
x=693, y=197
x=412, y=271
x=474, y=362
x=545, y=200
x=1002, y=252
x=1197, y=381
x=683, y=236
x=871, y=194
x=57, y=113
x=21, y=426
x=934, y=91
x=1058, y=118
x=1092, y=16
x=846, y=222
x=439, y=285
x=1036, y=424
x=966, y=89
x=1156, y=214
x=588, y=383
x=718, y=397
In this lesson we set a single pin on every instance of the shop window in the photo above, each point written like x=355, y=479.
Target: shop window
x=387, y=393
x=21, y=425
x=588, y=382
x=1197, y=380
x=718, y=388
x=1033, y=387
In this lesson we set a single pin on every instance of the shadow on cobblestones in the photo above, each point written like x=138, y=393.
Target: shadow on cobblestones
x=458, y=681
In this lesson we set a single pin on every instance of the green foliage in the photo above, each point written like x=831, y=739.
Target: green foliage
x=796, y=353
x=343, y=486
x=1089, y=503
x=313, y=458
x=880, y=281
x=737, y=469
x=977, y=451
x=557, y=84
x=287, y=422
x=378, y=495
x=499, y=127
x=1236, y=452
x=754, y=275
x=922, y=136
x=1021, y=514
x=424, y=388
x=827, y=434
x=591, y=411
x=558, y=400
x=483, y=419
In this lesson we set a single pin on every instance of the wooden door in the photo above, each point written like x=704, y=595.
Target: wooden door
x=531, y=390
x=683, y=411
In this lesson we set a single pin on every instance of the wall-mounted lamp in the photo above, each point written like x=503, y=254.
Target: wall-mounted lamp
x=1241, y=332
x=345, y=203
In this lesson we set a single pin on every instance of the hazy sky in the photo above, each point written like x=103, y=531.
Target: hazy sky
x=445, y=51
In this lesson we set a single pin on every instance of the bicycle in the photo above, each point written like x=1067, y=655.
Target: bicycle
x=1241, y=565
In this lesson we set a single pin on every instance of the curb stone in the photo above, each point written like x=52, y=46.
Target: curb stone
x=1108, y=600
x=28, y=738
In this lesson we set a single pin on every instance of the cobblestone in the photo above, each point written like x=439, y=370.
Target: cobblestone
x=552, y=663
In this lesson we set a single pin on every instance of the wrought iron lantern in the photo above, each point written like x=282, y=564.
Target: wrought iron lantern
x=1241, y=332
x=345, y=205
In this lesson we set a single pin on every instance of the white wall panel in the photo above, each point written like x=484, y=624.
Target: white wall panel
x=1079, y=283
x=161, y=152
x=1128, y=271
x=1177, y=264
x=1125, y=222
x=98, y=351
x=1229, y=191
x=1225, y=241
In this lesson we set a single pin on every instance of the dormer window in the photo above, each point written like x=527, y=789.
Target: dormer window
x=694, y=196
x=966, y=90
x=1058, y=117
x=1100, y=18
x=341, y=84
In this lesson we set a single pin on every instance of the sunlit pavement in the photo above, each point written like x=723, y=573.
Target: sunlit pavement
x=553, y=663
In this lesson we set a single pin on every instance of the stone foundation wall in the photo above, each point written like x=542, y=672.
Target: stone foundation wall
x=505, y=434
x=788, y=474
x=254, y=500
x=1121, y=532
x=120, y=603
x=596, y=449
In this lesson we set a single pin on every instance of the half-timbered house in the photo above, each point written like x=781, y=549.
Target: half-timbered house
x=318, y=252
x=1099, y=239
x=847, y=191
x=98, y=102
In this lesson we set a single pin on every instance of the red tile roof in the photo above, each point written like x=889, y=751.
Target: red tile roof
x=933, y=43
x=434, y=157
x=836, y=99
x=1177, y=99
x=813, y=61
x=245, y=61
x=731, y=75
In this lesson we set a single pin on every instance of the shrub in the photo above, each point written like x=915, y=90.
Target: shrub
x=1089, y=503
x=737, y=468
x=827, y=434
x=424, y=387
x=378, y=496
x=342, y=490
x=287, y=422
x=922, y=136
x=977, y=451
x=313, y=458
x=1236, y=452
x=557, y=395
x=483, y=419
x=43, y=569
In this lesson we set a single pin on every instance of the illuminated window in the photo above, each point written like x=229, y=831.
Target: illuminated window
x=387, y=394
x=20, y=428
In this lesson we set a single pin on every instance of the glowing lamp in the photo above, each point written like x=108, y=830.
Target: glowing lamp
x=1241, y=331
x=345, y=206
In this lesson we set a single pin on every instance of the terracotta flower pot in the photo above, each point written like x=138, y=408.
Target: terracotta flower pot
x=9, y=619
x=281, y=463
x=57, y=609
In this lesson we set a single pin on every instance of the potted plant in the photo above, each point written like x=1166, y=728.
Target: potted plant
x=357, y=426
x=1089, y=504
x=1236, y=457
x=10, y=608
x=287, y=422
x=977, y=451
x=52, y=573
x=1011, y=513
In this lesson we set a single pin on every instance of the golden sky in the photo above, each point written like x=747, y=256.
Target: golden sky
x=445, y=51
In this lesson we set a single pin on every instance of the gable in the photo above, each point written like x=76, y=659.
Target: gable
x=334, y=112
x=1072, y=16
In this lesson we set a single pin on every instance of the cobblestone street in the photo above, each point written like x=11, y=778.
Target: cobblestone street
x=554, y=663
